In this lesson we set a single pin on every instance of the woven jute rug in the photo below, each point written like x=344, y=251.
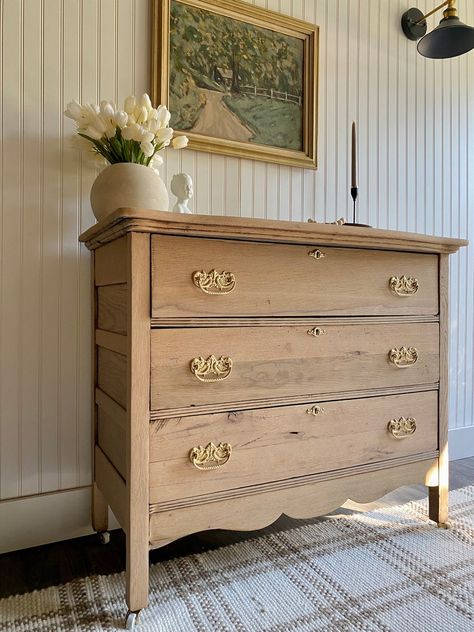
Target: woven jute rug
x=387, y=570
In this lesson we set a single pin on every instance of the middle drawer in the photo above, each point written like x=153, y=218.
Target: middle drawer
x=222, y=365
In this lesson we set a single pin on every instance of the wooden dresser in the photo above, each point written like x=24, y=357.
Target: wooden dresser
x=248, y=368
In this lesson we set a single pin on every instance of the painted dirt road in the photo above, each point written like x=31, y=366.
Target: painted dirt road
x=218, y=121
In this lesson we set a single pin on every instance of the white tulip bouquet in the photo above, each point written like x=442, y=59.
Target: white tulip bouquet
x=134, y=134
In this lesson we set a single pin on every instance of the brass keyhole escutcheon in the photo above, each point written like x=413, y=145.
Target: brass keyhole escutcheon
x=316, y=254
x=316, y=331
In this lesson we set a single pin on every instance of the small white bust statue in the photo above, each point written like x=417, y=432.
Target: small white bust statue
x=182, y=188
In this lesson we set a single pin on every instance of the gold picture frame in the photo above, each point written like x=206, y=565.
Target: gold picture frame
x=253, y=107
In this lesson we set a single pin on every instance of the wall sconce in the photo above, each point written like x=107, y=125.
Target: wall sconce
x=449, y=39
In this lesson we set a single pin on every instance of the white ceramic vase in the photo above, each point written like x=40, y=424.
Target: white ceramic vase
x=126, y=184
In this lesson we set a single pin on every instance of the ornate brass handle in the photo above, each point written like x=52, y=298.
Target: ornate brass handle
x=211, y=370
x=403, y=286
x=316, y=331
x=315, y=410
x=402, y=428
x=316, y=254
x=214, y=282
x=403, y=357
x=211, y=457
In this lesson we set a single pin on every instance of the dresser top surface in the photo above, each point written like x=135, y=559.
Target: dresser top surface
x=126, y=220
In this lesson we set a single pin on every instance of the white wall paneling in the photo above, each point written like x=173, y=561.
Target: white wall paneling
x=415, y=122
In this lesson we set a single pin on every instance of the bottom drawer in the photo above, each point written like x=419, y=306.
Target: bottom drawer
x=277, y=443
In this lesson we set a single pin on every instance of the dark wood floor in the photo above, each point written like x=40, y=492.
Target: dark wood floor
x=53, y=564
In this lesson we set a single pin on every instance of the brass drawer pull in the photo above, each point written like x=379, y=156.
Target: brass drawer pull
x=214, y=282
x=403, y=286
x=316, y=331
x=211, y=370
x=315, y=410
x=403, y=357
x=316, y=254
x=402, y=428
x=211, y=457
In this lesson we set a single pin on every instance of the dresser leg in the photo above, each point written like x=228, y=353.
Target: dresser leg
x=438, y=495
x=137, y=573
x=438, y=505
x=100, y=510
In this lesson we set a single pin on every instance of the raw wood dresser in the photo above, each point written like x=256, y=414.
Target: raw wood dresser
x=248, y=368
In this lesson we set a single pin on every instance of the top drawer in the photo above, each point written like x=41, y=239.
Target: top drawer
x=194, y=277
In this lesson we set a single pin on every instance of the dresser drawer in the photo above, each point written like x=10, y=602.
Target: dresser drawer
x=194, y=277
x=278, y=443
x=221, y=365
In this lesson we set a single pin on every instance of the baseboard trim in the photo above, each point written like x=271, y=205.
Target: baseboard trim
x=46, y=518
x=461, y=443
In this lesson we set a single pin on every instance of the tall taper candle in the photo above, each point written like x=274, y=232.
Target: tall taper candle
x=354, y=157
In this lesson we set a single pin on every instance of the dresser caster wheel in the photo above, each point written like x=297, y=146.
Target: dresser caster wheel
x=104, y=537
x=131, y=620
x=443, y=525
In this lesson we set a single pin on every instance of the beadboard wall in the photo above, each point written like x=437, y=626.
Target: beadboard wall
x=415, y=121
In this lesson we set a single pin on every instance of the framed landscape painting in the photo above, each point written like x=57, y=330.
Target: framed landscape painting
x=237, y=79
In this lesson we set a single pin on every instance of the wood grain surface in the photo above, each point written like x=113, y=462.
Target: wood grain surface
x=125, y=220
x=286, y=361
x=138, y=415
x=247, y=513
x=284, y=442
x=111, y=440
x=276, y=279
x=152, y=321
x=112, y=375
x=110, y=263
x=112, y=308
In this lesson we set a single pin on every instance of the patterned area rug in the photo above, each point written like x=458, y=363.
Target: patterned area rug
x=389, y=570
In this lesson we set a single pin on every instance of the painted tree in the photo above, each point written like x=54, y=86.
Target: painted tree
x=202, y=41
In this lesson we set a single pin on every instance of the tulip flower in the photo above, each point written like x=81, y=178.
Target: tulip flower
x=147, y=137
x=180, y=142
x=164, y=136
x=145, y=101
x=93, y=132
x=74, y=110
x=163, y=116
x=141, y=114
x=100, y=123
x=106, y=109
x=120, y=118
x=153, y=126
x=147, y=148
x=134, y=134
x=111, y=130
x=129, y=106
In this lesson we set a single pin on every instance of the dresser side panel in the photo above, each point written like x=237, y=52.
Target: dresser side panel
x=110, y=263
x=99, y=505
x=112, y=375
x=112, y=308
x=111, y=440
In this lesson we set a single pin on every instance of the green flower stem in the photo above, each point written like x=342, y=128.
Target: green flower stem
x=117, y=149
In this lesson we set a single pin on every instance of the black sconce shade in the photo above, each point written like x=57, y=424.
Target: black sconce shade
x=449, y=39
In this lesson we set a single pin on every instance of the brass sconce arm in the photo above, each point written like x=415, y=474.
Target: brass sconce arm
x=451, y=4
